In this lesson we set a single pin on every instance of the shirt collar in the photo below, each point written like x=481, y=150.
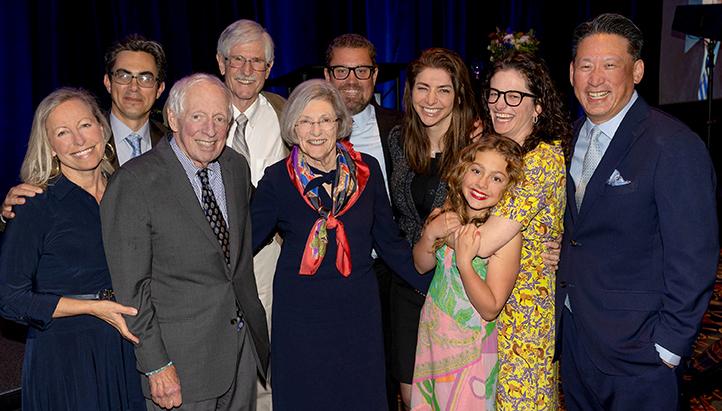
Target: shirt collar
x=364, y=116
x=121, y=131
x=609, y=127
x=187, y=163
x=250, y=111
x=61, y=186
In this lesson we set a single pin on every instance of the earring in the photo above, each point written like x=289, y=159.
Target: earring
x=55, y=168
x=109, y=153
x=535, y=119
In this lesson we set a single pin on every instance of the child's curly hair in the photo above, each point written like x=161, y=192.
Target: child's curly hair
x=455, y=200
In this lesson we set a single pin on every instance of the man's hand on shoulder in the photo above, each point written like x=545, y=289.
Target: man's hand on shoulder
x=16, y=196
x=165, y=389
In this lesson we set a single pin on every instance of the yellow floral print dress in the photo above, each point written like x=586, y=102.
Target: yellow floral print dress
x=527, y=376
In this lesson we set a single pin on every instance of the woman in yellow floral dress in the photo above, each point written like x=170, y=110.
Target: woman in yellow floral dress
x=522, y=104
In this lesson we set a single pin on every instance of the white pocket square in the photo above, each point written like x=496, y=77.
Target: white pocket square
x=616, y=180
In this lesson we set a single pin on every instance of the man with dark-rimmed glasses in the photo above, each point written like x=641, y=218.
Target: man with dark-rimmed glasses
x=135, y=78
x=351, y=67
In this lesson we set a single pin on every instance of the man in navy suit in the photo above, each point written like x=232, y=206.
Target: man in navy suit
x=640, y=245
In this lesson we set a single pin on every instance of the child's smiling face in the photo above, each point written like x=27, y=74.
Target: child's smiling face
x=485, y=181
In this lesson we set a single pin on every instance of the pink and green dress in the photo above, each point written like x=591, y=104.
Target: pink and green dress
x=456, y=354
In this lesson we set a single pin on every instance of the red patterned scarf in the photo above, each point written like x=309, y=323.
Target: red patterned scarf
x=351, y=176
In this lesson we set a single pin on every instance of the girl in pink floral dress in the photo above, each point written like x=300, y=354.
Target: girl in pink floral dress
x=456, y=355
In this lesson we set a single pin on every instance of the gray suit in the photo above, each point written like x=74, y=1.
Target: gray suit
x=165, y=260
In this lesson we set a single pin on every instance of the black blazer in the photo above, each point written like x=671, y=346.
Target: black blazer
x=387, y=120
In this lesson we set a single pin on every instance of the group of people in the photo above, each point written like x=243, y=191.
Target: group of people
x=327, y=253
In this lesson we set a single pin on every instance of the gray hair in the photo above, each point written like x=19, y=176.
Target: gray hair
x=177, y=95
x=242, y=32
x=610, y=23
x=37, y=167
x=298, y=100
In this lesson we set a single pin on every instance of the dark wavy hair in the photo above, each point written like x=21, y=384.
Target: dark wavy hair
x=136, y=42
x=463, y=114
x=553, y=123
x=454, y=177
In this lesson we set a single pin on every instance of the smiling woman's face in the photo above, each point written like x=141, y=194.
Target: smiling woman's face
x=75, y=137
x=318, y=142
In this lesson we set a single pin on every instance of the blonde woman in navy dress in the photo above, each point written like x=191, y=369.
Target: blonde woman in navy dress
x=53, y=274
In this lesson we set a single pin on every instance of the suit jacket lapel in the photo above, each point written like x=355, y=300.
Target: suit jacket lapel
x=184, y=193
x=386, y=121
x=571, y=184
x=627, y=133
x=157, y=131
x=233, y=207
x=115, y=162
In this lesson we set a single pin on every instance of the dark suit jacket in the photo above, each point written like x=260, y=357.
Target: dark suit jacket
x=157, y=131
x=165, y=260
x=638, y=260
x=387, y=120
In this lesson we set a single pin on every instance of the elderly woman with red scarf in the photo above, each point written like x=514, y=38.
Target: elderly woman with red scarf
x=329, y=204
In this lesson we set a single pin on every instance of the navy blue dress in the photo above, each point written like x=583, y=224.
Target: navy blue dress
x=326, y=343
x=54, y=247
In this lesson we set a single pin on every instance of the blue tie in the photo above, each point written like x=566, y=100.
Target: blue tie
x=134, y=141
x=591, y=161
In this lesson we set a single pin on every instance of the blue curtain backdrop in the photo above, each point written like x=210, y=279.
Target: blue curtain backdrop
x=46, y=44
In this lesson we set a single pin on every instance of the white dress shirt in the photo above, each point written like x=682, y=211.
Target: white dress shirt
x=263, y=136
x=366, y=138
x=265, y=146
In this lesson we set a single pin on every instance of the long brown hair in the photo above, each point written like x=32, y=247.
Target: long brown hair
x=553, y=122
x=416, y=143
x=455, y=201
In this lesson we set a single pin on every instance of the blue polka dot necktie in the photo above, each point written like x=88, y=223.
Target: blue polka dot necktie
x=214, y=215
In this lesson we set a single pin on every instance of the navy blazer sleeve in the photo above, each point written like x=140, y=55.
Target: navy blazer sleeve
x=685, y=198
x=23, y=245
x=388, y=242
x=264, y=209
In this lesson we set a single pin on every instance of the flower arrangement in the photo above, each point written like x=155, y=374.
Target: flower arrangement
x=501, y=42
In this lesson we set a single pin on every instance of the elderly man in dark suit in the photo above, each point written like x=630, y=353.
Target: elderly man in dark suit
x=176, y=230
x=640, y=243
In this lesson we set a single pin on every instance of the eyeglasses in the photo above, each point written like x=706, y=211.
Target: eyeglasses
x=342, y=72
x=325, y=124
x=123, y=77
x=239, y=61
x=512, y=97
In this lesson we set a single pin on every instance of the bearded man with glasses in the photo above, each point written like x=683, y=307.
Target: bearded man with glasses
x=351, y=68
